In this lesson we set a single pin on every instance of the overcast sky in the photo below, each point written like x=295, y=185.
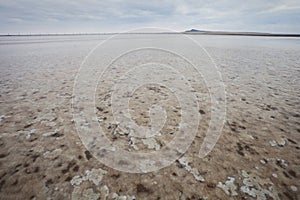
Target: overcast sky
x=58, y=16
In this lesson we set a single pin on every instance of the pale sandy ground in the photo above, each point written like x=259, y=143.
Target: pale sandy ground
x=256, y=157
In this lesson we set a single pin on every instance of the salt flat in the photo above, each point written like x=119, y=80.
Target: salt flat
x=256, y=156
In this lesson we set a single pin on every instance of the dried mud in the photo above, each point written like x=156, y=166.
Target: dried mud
x=42, y=157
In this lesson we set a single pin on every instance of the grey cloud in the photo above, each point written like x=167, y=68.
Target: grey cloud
x=105, y=15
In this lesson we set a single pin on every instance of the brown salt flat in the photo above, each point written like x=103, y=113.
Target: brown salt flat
x=256, y=157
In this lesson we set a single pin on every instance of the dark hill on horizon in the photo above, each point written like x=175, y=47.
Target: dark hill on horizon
x=196, y=31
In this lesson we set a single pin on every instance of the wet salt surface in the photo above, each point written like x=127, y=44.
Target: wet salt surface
x=41, y=154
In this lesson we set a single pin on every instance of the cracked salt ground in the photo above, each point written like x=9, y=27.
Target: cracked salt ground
x=262, y=105
x=145, y=112
x=194, y=171
x=132, y=143
x=229, y=187
x=94, y=176
x=258, y=188
x=151, y=143
x=2, y=117
x=279, y=142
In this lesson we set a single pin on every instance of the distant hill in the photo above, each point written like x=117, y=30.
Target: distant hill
x=202, y=32
x=194, y=31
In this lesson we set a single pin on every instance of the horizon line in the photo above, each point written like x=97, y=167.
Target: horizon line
x=190, y=31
